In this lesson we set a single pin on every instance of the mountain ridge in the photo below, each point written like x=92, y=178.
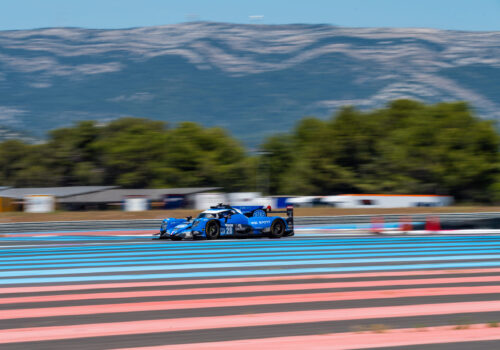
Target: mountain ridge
x=253, y=79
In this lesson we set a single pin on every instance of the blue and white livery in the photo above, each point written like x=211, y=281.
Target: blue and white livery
x=224, y=220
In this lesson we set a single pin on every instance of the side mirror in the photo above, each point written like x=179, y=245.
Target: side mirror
x=188, y=218
x=228, y=217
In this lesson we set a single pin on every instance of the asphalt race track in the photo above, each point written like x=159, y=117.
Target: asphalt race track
x=117, y=290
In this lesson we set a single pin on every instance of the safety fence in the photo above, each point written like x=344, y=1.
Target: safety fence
x=418, y=221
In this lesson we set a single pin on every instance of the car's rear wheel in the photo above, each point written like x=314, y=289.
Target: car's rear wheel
x=277, y=229
x=212, y=229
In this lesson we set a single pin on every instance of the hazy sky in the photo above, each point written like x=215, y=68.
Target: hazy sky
x=444, y=14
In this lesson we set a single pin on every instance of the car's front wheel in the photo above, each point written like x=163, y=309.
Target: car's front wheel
x=277, y=229
x=212, y=229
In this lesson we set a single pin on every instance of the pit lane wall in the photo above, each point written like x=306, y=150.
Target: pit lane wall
x=418, y=221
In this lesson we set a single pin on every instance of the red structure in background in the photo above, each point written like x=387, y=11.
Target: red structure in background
x=432, y=224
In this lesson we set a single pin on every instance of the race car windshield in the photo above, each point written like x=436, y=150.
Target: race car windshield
x=207, y=216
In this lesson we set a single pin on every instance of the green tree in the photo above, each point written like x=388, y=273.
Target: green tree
x=407, y=147
x=72, y=157
x=131, y=151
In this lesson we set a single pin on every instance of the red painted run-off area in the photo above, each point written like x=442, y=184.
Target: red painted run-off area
x=371, y=294
x=241, y=301
x=248, y=320
x=348, y=340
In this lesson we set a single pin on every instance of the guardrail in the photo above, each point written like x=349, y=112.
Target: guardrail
x=79, y=225
x=452, y=220
x=362, y=219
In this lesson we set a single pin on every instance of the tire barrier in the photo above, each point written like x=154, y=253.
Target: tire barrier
x=405, y=224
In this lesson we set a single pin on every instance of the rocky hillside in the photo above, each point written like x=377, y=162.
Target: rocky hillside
x=252, y=79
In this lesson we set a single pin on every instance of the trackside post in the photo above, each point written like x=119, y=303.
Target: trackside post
x=289, y=214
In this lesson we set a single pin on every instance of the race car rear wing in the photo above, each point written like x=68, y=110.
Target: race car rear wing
x=288, y=211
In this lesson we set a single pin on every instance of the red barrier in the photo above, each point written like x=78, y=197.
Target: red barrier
x=405, y=224
x=432, y=224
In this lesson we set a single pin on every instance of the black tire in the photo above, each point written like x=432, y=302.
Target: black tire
x=176, y=238
x=277, y=229
x=212, y=230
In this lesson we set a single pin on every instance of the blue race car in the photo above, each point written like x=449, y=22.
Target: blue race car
x=224, y=220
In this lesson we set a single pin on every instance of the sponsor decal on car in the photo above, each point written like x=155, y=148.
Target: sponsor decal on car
x=228, y=229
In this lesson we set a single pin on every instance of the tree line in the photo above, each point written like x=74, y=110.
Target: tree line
x=406, y=147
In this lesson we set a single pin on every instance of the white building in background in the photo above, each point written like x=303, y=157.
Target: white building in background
x=306, y=201
x=202, y=201
x=39, y=203
x=250, y=198
x=243, y=198
x=386, y=201
x=136, y=203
